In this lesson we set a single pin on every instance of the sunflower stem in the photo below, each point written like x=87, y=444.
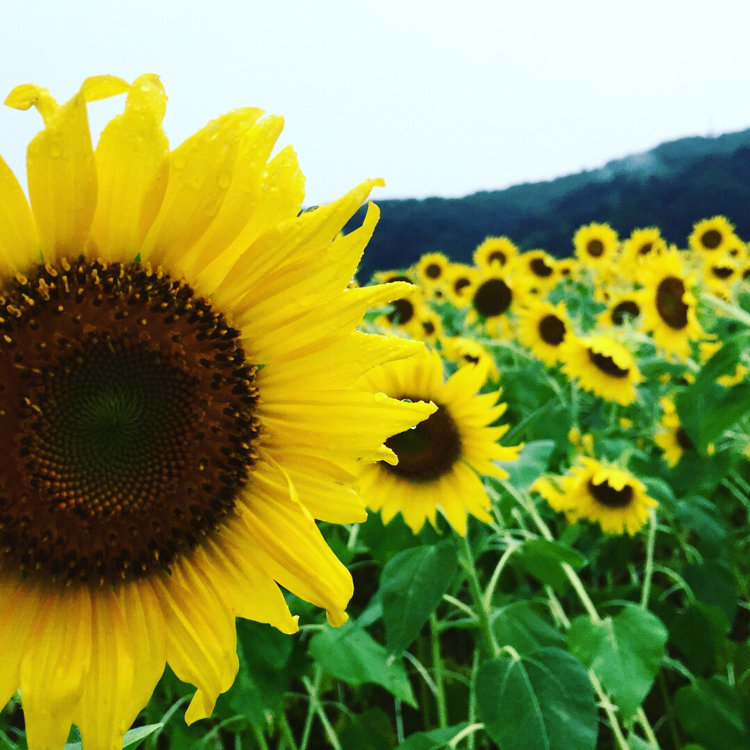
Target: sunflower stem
x=649, y=570
x=317, y=706
x=482, y=613
x=437, y=668
x=609, y=709
x=286, y=732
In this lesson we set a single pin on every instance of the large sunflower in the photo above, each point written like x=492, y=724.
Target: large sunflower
x=609, y=496
x=668, y=304
x=439, y=460
x=712, y=236
x=179, y=353
x=601, y=365
x=596, y=245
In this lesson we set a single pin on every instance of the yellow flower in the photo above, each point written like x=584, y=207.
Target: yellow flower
x=493, y=300
x=595, y=245
x=712, y=236
x=671, y=436
x=459, y=282
x=609, y=496
x=642, y=244
x=176, y=410
x=603, y=366
x=537, y=267
x=497, y=252
x=668, y=305
x=622, y=307
x=468, y=352
x=440, y=460
x=543, y=327
x=431, y=268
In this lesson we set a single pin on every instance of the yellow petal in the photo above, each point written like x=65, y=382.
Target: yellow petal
x=54, y=666
x=131, y=164
x=19, y=244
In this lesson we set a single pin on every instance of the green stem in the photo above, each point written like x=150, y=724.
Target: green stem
x=437, y=668
x=260, y=739
x=649, y=571
x=312, y=691
x=488, y=637
x=286, y=732
x=609, y=709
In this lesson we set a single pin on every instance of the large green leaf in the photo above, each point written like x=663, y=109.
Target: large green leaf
x=532, y=462
x=524, y=627
x=434, y=739
x=411, y=586
x=541, y=702
x=711, y=712
x=543, y=558
x=352, y=655
x=625, y=651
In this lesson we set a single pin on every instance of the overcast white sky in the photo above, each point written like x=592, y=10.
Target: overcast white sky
x=438, y=97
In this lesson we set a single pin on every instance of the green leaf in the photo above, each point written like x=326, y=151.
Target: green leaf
x=411, y=586
x=132, y=737
x=711, y=712
x=698, y=634
x=435, y=739
x=370, y=730
x=701, y=516
x=543, y=702
x=351, y=654
x=523, y=627
x=625, y=651
x=713, y=582
x=531, y=463
x=542, y=558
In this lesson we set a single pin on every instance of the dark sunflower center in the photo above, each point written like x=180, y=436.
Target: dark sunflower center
x=433, y=271
x=497, y=256
x=460, y=283
x=607, y=365
x=711, y=239
x=428, y=327
x=540, y=268
x=126, y=420
x=402, y=313
x=646, y=248
x=607, y=495
x=551, y=330
x=722, y=272
x=672, y=310
x=626, y=309
x=426, y=451
x=683, y=439
x=492, y=298
x=595, y=248
x=399, y=277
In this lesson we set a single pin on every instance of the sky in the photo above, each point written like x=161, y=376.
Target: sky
x=439, y=97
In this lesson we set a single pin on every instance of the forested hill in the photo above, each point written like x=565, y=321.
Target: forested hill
x=672, y=186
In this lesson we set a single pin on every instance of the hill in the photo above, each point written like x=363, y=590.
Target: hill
x=672, y=186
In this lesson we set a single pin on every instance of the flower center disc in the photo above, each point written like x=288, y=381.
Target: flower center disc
x=426, y=451
x=492, y=298
x=540, y=268
x=607, y=365
x=625, y=309
x=711, y=239
x=595, y=248
x=672, y=310
x=607, y=495
x=551, y=330
x=126, y=420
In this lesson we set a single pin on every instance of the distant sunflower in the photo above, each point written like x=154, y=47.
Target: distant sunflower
x=543, y=327
x=606, y=495
x=538, y=266
x=668, y=305
x=401, y=317
x=641, y=244
x=494, y=297
x=388, y=277
x=712, y=236
x=495, y=251
x=567, y=268
x=603, y=366
x=175, y=410
x=621, y=307
x=429, y=326
x=431, y=268
x=441, y=460
x=459, y=281
x=468, y=352
x=720, y=274
x=596, y=245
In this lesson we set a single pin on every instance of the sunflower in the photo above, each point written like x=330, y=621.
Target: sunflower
x=493, y=299
x=497, y=252
x=595, y=245
x=401, y=317
x=712, y=236
x=538, y=267
x=467, y=352
x=611, y=497
x=459, y=281
x=430, y=269
x=602, y=366
x=439, y=461
x=430, y=325
x=641, y=244
x=543, y=327
x=621, y=308
x=668, y=305
x=175, y=409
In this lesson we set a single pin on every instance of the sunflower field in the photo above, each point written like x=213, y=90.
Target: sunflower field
x=249, y=502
